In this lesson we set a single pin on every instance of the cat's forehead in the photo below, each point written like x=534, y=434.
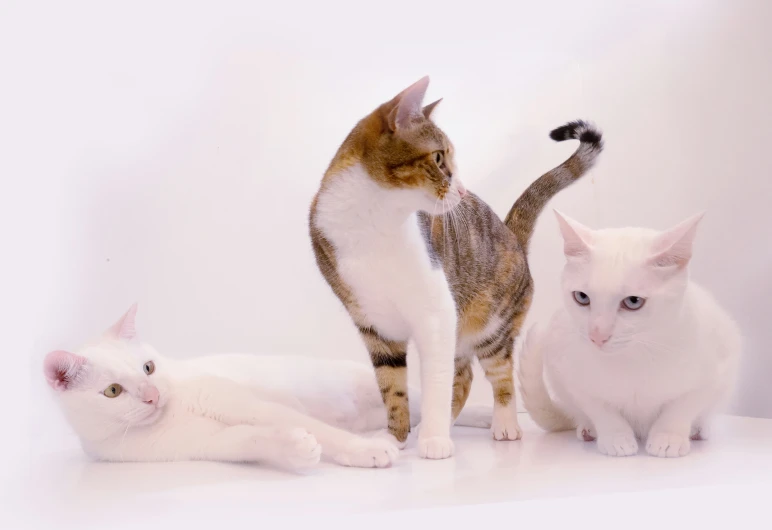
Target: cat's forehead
x=114, y=354
x=427, y=136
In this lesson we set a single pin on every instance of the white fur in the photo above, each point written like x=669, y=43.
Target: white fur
x=382, y=257
x=664, y=369
x=282, y=410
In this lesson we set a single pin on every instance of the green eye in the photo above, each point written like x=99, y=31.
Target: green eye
x=113, y=390
x=149, y=367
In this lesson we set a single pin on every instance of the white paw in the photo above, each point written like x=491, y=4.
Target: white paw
x=384, y=434
x=618, y=445
x=505, y=426
x=435, y=447
x=585, y=433
x=666, y=445
x=368, y=452
x=300, y=448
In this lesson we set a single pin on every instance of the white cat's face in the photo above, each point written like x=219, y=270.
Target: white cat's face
x=110, y=385
x=619, y=283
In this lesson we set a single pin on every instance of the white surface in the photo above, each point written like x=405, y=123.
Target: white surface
x=64, y=487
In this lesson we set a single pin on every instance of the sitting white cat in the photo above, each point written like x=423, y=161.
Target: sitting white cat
x=126, y=402
x=638, y=352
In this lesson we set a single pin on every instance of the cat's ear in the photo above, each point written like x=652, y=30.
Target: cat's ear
x=673, y=247
x=428, y=109
x=126, y=327
x=62, y=369
x=408, y=105
x=577, y=238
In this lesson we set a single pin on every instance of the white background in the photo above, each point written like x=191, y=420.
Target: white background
x=167, y=153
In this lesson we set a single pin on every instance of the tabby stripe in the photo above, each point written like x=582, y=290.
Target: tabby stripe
x=499, y=345
x=392, y=361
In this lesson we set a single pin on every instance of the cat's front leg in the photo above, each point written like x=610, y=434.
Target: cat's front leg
x=614, y=435
x=436, y=341
x=293, y=448
x=671, y=434
x=232, y=404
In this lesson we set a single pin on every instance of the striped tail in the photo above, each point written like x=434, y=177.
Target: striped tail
x=521, y=219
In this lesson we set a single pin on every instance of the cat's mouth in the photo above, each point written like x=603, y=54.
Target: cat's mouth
x=153, y=415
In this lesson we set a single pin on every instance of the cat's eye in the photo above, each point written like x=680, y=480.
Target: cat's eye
x=438, y=158
x=113, y=390
x=149, y=367
x=633, y=303
x=581, y=298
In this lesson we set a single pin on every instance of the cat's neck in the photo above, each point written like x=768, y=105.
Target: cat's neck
x=352, y=203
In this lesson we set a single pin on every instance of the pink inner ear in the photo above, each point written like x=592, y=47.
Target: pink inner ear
x=62, y=368
x=409, y=105
x=576, y=237
x=126, y=327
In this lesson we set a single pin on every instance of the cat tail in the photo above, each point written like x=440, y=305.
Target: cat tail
x=521, y=219
x=536, y=397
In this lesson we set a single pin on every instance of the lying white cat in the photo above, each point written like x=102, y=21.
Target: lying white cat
x=128, y=403
x=639, y=351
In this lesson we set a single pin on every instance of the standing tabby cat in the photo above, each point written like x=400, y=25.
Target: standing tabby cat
x=411, y=254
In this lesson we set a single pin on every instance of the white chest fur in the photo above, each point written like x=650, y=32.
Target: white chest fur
x=381, y=253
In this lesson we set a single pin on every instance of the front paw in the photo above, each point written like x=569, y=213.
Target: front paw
x=300, y=448
x=384, y=434
x=665, y=445
x=505, y=425
x=618, y=444
x=368, y=452
x=435, y=447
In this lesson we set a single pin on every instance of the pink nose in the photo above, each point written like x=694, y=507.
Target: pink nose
x=598, y=337
x=461, y=189
x=150, y=395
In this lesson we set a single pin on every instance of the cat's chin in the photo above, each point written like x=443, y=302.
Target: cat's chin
x=153, y=416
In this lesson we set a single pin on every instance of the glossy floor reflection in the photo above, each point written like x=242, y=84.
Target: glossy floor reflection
x=66, y=486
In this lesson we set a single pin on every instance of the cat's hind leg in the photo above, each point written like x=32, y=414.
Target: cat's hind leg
x=462, y=384
x=495, y=357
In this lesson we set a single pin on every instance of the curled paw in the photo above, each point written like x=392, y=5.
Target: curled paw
x=368, y=452
x=665, y=445
x=618, y=445
x=384, y=434
x=300, y=448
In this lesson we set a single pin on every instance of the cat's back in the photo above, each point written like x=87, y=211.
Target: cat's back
x=709, y=324
x=478, y=253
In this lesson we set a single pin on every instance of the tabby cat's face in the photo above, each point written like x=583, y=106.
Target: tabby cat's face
x=403, y=150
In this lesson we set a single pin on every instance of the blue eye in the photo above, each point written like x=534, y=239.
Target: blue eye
x=581, y=298
x=633, y=303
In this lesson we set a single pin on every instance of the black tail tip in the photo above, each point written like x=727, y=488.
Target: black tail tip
x=578, y=130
